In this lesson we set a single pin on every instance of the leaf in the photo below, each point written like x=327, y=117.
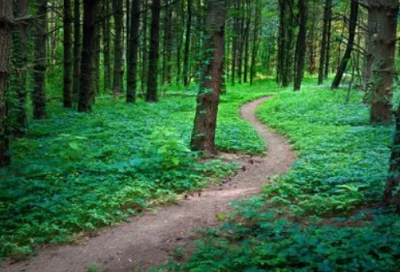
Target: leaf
x=74, y=145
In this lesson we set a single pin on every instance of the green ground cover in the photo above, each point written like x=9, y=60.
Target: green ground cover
x=323, y=215
x=77, y=172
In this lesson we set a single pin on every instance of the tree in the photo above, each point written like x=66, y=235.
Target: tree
x=133, y=52
x=324, y=43
x=6, y=24
x=151, y=94
x=186, y=55
x=205, y=122
x=20, y=62
x=77, y=49
x=39, y=75
x=87, y=88
x=384, y=47
x=67, y=91
x=301, y=44
x=118, y=60
x=350, y=44
x=106, y=46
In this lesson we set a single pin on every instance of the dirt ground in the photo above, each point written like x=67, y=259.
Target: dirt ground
x=150, y=240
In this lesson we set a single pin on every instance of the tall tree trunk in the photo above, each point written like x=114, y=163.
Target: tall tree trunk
x=133, y=55
x=350, y=44
x=77, y=50
x=6, y=24
x=67, y=91
x=87, y=88
x=106, y=47
x=186, y=54
x=328, y=46
x=145, y=68
x=97, y=55
x=247, y=44
x=324, y=46
x=255, y=43
x=167, y=44
x=369, y=40
x=39, y=75
x=203, y=136
x=20, y=61
x=384, y=55
x=118, y=61
x=301, y=44
x=152, y=78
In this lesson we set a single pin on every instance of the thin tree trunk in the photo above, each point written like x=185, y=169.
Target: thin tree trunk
x=328, y=46
x=20, y=61
x=301, y=44
x=203, y=136
x=255, y=43
x=87, y=90
x=118, y=59
x=152, y=79
x=6, y=24
x=145, y=53
x=369, y=40
x=350, y=44
x=324, y=45
x=67, y=91
x=106, y=47
x=133, y=55
x=186, y=54
x=39, y=75
x=77, y=50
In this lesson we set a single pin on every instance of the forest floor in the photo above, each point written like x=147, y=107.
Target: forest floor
x=169, y=232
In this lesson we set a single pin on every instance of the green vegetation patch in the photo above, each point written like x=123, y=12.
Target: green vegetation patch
x=321, y=215
x=77, y=172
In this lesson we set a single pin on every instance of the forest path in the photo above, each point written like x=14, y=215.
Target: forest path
x=150, y=239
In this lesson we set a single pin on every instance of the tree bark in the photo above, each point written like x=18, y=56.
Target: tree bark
x=369, y=40
x=324, y=43
x=203, y=136
x=133, y=52
x=106, y=47
x=186, y=54
x=39, y=75
x=67, y=91
x=301, y=44
x=384, y=64
x=77, y=50
x=20, y=61
x=6, y=24
x=152, y=78
x=350, y=44
x=87, y=90
x=118, y=61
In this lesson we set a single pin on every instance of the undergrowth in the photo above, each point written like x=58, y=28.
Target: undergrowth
x=77, y=172
x=323, y=214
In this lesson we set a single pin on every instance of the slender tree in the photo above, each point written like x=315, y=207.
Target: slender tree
x=301, y=44
x=67, y=88
x=87, y=88
x=133, y=55
x=152, y=78
x=186, y=54
x=77, y=49
x=118, y=54
x=20, y=63
x=203, y=136
x=324, y=43
x=6, y=24
x=350, y=44
x=106, y=47
x=39, y=75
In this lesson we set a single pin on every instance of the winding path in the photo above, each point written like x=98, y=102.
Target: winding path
x=149, y=240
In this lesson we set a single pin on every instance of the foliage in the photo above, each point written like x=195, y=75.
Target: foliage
x=321, y=215
x=77, y=172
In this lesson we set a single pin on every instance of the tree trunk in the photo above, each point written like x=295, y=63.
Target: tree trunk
x=324, y=43
x=133, y=52
x=77, y=50
x=87, y=90
x=301, y=44
x=186, y=54
x=369, y=40
x=255, y=43
x=67, y=91
x=384, y=55
x=350, y=44
x=39, y=75
x=328, y=46
x=6, y=24
x=145, y=51
x=106, y=47
x=118, y=62
x=152, y=79
x=203, y=136
x=20, y=61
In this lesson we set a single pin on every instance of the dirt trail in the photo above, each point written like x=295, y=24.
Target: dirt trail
x=149, y=240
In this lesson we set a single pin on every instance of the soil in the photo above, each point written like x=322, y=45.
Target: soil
x=150, y=240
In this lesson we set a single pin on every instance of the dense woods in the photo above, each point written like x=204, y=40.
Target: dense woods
x=64, y=61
